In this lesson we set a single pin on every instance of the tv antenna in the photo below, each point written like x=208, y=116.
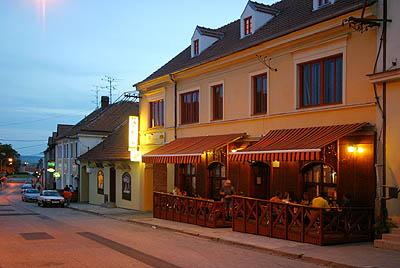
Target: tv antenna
x=110, y=85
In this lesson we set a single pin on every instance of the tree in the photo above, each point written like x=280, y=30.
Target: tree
x=7, y=151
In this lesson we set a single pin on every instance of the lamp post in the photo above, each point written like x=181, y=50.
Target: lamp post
x=10, y=160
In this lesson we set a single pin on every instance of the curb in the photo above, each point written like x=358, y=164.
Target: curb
x=271, y=251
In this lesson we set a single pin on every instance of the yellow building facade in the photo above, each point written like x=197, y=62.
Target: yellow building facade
x=235, y=73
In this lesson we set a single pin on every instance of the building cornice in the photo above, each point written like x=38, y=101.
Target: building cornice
x=387, y=76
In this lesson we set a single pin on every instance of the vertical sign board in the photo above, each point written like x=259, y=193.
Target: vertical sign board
x=134, y=139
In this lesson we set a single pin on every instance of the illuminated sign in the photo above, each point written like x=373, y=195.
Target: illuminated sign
x=133, y=132
x=136, y=156
x=56, y=175
x=51, y=164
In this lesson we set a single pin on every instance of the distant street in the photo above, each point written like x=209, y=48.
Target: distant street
x=32, y=236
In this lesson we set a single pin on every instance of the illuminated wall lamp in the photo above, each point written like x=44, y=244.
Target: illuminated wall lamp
x=276, y=164
x=355, y=149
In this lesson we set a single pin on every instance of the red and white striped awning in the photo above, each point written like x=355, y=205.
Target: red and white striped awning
x=188, y=150
x=294, y=144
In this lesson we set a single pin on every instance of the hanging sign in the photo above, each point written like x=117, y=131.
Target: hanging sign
x=134, y=139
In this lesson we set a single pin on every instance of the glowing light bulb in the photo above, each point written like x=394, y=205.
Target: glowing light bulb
x=351, y=149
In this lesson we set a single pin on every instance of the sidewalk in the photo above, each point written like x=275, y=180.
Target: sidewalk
x=348, y=255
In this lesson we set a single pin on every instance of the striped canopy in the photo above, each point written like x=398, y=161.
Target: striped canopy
x=188, y=150
x=294, y=144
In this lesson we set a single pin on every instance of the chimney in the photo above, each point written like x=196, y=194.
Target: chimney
x=104, y=101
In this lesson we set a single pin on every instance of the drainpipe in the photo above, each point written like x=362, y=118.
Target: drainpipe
x=171, y=77
x=384, y=55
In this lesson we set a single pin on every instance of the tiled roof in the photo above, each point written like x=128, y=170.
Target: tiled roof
x=293, y=15
x=113, y=148
x=210, y=32
x=104, y=120
x=62, y=129
x=264, y=8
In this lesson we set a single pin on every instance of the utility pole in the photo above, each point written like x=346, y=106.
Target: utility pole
x=110, y=87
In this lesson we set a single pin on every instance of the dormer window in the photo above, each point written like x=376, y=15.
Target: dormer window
x=203, y=38
x=248, y=26
x=196, y=47
x=321, y=3
x=255, y=16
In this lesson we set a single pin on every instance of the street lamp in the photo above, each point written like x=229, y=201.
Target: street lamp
x=10, y=160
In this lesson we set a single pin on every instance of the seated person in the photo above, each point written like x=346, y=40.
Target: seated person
x=320, y=201
x=306, y=200
x=177, y=191
x=277, y=197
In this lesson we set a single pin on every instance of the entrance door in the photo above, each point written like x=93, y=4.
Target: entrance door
x=261, y=181
x=112, y=185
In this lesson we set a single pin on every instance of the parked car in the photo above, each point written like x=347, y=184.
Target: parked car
x=30, y=195
x=50, y=198
x=25, y=187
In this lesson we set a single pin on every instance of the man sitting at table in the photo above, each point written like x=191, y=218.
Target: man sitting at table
x=320, y=201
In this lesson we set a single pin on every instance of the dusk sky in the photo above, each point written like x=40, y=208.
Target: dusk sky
x=53, y=52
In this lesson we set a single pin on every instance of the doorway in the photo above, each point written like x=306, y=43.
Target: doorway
x=112, y=185
x=260, y=176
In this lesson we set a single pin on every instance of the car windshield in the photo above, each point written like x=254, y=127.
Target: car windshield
x=32, y=191
x=51, y=193
x=26, y=186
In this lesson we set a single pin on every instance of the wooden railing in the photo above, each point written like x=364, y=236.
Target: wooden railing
x=203, y=212
x=302, y=223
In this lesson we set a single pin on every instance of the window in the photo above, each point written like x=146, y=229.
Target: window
x=126, y=186
x=323, y=2
x=157, y=113
x=218, y=102
x=100, y=182
x=188, y=172
x=321, y=82
x=196, y=50
x=248, y=26
x=260, y=99
x=216, y=173
x=190, y=107
x=318, y=178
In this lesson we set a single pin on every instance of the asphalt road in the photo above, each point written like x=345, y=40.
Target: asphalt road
x=32, y=236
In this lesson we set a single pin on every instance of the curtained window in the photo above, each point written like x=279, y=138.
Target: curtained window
x=321, y=82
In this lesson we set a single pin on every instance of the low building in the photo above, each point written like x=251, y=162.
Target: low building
x=109, y=176
x=85, y=135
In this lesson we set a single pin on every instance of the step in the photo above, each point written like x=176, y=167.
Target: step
x=391, y=237
x=379, y=243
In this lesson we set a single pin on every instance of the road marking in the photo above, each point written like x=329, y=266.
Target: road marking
x=19, y=214
x=128, y=251
x=7, y=209
x=36, y=236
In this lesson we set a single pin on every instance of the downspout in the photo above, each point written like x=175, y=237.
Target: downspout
x=171, y=77
x=384, y=55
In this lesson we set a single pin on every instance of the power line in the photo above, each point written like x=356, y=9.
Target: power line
x=31, y=146
x=21, y=140
x=30, y=121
